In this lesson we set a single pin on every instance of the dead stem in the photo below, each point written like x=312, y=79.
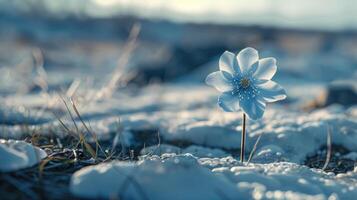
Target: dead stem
x=98, y=146
x=329, y=149
x=254, y=149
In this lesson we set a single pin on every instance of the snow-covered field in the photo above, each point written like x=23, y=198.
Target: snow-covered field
x=191, y=150
x=170, y=140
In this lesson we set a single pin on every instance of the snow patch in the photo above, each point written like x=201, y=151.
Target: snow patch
x=184, y=176
x=173, y=177
x=197, y=151
x=17, y=155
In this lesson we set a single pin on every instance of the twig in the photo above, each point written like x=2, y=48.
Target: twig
x=329, y=149
x=254, y=149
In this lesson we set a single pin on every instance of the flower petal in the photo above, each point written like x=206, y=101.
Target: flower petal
x=252, y=69
x=228, y=102
x=246, y=58
x=270, y=91
x=228, y=63
x=266, y=69
x=220, y=80
x=253, y=107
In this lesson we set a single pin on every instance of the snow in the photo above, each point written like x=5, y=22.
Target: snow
x=288, y=136
x=184, y=176
x=191, y=146
x=198, y=151
x=153, y=178
x=269, y=154
x=188, y=147
x=192, y=117
x=16, y=155
x=207, y=164
x=160, y=149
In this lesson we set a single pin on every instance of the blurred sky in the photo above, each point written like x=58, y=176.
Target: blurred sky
x=311, y=14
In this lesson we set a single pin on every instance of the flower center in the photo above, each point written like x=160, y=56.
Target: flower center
x=244, y=82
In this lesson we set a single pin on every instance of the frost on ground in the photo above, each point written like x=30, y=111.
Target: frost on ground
x=190, y=118
x=179, y=117
x=184, y=176
x=16, y=155
x=152, y=178
x=155, y=120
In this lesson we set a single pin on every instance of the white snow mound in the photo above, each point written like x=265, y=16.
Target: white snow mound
x=186, y=177
x=174, y=177
x=17, y=155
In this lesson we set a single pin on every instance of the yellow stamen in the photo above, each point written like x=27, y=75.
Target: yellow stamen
x=244, y=82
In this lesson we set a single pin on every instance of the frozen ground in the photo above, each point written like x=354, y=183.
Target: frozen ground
x=170, y=140
x=171, y=119
x=172, y=176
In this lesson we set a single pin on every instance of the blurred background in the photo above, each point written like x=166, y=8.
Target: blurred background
x=136, y=69
x=50, y=45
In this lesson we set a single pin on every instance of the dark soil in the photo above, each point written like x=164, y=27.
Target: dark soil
x=337, y=163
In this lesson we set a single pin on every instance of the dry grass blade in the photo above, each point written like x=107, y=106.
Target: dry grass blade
x=70, y=114
x=88, y=130
x=254, y=149
x=329, y=149
x=64, y=126
x=90, y=150
x=81, y=136
x=123, y=60
x=42, y=165
x=61, y=122
x=80, y=118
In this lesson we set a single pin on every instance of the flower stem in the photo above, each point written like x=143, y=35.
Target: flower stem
x=242, y=144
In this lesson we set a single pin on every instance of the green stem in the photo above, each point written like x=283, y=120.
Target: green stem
x=242, y=144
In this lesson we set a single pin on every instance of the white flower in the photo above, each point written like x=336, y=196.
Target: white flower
x=245, y=82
